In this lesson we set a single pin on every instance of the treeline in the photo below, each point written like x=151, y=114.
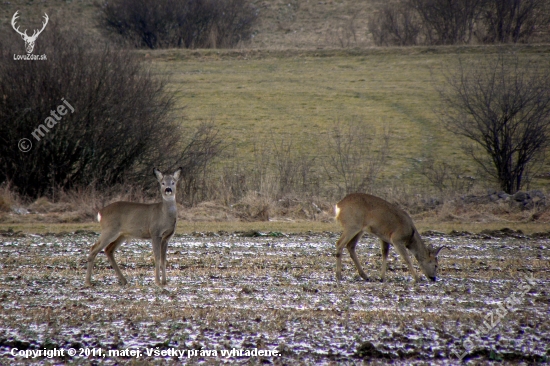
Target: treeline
x=178, y=23
x=452, y=22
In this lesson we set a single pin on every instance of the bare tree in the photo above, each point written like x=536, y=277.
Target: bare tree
x=358, y=156
x=395, y=26
x=514, y=20
x=502, y=105
x=179, y=23
x=293, y=167
x=445, y=175
x=448, y=21
x=201, y=150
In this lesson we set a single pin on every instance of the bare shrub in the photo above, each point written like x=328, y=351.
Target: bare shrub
x=254, y=207
x=204, y=146
x=395, y=25
x=344, y=33
x=448, y=21
x=237, y=179
x=514, y=20
x=118, y=129
x=179, y=23
x=261, y=177
x=446, y=176
x=293, y=168
x=357, y=157
x=233, y=183
x=439, y=22
x=8, y=197
x=502, y=106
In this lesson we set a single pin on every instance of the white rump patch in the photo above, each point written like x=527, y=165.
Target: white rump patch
x=336, y=211
x=98, y=217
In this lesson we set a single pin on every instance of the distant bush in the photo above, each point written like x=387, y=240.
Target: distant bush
x=514, y=21
x=448, y=22
x=179, y=23
x=395, y=26
x=94, y=117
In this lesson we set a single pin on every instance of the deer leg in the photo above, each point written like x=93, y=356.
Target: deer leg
x=110, y=252
x=156, y=251
x=164, y=247
x=104, y=240
x=400, y=248
x=384, y=249
x=342, y=242
x=351, y=249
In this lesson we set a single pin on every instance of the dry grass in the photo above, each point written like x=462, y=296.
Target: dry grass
x=76, y=210
x=8, y=198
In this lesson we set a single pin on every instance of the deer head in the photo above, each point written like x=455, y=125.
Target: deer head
x=29, y=41
x=429, y=264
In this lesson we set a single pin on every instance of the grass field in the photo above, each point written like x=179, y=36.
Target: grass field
x=264, y=97
x=226, y=292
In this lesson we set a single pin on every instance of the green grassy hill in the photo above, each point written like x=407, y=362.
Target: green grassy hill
x=294, y=81
x=264, y=97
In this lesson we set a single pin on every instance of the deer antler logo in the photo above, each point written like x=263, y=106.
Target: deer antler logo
x=29, y=41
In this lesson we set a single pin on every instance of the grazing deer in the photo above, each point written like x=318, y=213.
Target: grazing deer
x=123, y=220
x=360, y=212
x=29, y=41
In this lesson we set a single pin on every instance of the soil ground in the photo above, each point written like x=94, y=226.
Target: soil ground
x=247, y=291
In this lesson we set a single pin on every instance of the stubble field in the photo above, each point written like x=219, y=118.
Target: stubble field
x=233, y=292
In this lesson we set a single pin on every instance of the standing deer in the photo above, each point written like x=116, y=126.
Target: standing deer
x=360, y=212
x=124, y=220
x=29, y=41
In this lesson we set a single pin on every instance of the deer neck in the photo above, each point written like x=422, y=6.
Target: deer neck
x=169, y=207
x=418, y=248
x=421, y=254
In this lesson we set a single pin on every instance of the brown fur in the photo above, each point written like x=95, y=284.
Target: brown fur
x=121, y=221
x=359, y=213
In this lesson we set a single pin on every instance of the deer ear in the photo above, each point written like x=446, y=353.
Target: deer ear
x=158, y=174
x=177, y=173
x=436, y=251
